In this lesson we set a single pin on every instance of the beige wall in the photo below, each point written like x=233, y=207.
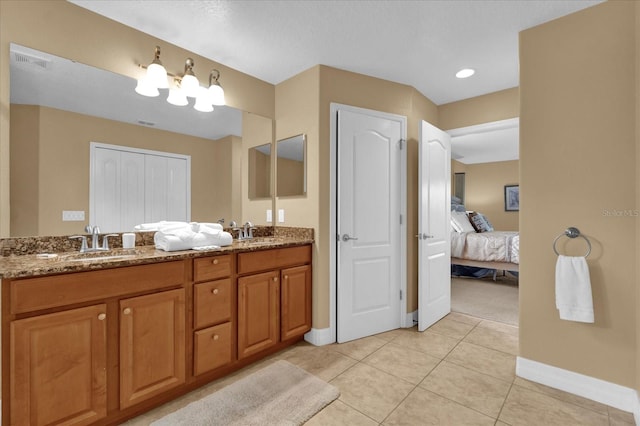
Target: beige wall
x=53, y=146
x=256, y=130
x=106, y=44
x=289, y=177
x=481, y=109
x=484, y=191
x=578, y=162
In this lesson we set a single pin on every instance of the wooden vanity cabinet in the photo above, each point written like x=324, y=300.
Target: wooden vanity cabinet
x=214, y=301
x=275, y=305
x=82, y=347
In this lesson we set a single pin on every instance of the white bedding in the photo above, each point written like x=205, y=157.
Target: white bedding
x=497, y=246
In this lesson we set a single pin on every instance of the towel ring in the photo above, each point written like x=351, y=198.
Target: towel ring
x=572, y=232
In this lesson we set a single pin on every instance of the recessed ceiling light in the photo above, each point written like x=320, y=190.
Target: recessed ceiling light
x=466, y=72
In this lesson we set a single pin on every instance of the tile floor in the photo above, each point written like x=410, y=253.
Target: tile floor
x=461, y=371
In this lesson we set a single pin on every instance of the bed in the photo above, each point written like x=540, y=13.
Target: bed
x=475, y=243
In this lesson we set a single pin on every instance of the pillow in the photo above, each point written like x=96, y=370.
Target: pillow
x=480, y=222
x=460, y=222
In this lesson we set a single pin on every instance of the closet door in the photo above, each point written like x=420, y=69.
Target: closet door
x=166, y=189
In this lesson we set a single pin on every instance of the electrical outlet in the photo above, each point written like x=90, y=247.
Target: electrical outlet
x=73, y=215
x=280, y=215
x=269, y=216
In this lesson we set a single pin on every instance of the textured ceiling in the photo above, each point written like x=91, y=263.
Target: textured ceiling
x=418, y=43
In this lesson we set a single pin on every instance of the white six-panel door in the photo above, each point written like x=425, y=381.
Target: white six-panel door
x=434, y=227
x=368, y=223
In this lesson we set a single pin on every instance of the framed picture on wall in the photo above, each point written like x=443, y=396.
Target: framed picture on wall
x=511, y=198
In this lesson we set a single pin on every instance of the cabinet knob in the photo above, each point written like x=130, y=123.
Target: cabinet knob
x=101, y=317
x=216, y=337
x=215, y=261
x=127, y=311
x=286, y=277
x=275, y=279
x=215, y=291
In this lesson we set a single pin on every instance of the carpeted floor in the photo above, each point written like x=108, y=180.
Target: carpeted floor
x=485, y=298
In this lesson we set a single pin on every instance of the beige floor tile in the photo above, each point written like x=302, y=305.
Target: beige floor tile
x=390, y=335
x=422, y=407
x=319, y=361
x=402, y=362
x=371, y=391
x=492, y=339
x=340, y=414
x=434, y=344
x=499, y=326
x=527, y=407
x=563, y=396
x=460, y=317
x=619, y=417
x=475, y=390
x=360, y=348
x=483, y=360
x=452, y=328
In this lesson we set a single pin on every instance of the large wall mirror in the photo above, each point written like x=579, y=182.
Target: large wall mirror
x=260, y=172
x=59, y=106
x=291, y=166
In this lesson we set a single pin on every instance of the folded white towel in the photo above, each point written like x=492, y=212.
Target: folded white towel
x=186, y=236
x=573, y=289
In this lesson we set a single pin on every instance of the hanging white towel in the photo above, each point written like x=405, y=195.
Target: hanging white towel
x=573, y=289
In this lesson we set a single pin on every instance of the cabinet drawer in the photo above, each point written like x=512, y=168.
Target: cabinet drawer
x=32, y=294
x=212, y=303
x=265, y=260
x=211, y=268
x=212, y=348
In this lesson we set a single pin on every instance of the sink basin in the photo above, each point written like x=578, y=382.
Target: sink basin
x=98, y=256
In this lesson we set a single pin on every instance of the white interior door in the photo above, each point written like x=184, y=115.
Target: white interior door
x=368, y=223
x=434, y=216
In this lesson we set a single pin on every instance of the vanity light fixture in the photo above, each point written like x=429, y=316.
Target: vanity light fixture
x=465, y=73
x=187, y=85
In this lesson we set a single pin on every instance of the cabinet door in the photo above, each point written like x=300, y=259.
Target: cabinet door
x=295, y=299
x=258, y=312
x=58, y=368
x=152, y=345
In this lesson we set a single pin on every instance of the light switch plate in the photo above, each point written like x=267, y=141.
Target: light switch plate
x=280, y=215
x=73, y=215
x=269, y=216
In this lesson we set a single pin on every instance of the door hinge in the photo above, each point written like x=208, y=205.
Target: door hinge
x=400, y=294
x=402, y=141
x=400, y=219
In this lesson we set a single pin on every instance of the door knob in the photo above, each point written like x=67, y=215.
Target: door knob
x=346, y=237
x=423, y=236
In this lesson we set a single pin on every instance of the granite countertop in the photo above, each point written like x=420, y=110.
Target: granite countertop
x=74, y=261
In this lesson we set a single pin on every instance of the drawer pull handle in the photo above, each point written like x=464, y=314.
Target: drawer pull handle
x=127, y=311
x=215, y=291
x=215, y=261
x=216, y=337
x=101, y=317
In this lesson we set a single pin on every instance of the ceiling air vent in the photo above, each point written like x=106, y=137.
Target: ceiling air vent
x=30, y=60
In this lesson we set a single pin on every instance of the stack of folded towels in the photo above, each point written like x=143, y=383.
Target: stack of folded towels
x=174, y=236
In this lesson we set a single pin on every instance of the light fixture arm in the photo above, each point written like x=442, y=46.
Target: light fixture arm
x=214, y=75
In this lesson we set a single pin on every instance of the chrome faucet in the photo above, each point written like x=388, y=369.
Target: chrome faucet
x=95, y=235
x=248, y=230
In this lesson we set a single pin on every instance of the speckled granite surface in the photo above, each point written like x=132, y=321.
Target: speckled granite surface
x=23, y=259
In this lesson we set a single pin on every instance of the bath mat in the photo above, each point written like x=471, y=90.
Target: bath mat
x=280, y=394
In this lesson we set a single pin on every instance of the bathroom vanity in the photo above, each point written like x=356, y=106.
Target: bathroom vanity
x=98, y=341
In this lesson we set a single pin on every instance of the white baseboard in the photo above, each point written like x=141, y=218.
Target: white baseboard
x=620, y=397
x=320, y=336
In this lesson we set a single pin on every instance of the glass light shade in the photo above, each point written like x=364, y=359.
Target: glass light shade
x=177, y=97
x=203, y=101
x=216, y=93
x=190, y=85
x=157, y=75
x=145, y=88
